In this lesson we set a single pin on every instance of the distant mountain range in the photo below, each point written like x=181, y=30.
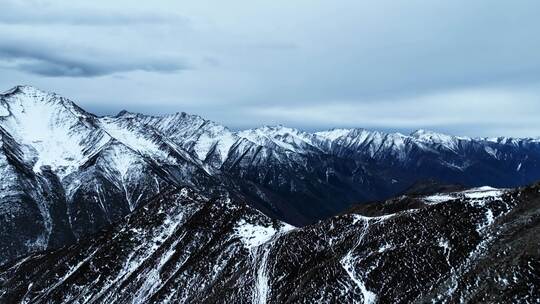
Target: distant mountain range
x=66, y=173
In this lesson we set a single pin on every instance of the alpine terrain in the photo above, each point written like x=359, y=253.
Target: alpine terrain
x=135, y=208
x=473, y=246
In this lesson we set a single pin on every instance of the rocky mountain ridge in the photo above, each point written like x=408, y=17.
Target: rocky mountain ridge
x=473, y=246
x=66, y=173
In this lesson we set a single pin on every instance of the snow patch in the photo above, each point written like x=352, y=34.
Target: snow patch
x=333, y=134
x=130, y=138
x=491, y=151
x=482, y=192
x=361, y=218
x=384, y=248
x=478, y=195
x=283, y=137
x=438, y=198
x=348, y=264
x=253, y=235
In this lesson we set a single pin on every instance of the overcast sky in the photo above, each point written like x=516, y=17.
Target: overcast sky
x=462, y=67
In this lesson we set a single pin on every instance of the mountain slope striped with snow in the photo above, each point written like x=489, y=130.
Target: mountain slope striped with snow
x=474, y=246
x=66, y=173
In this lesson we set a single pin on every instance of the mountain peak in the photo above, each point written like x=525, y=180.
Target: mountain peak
x=123, y=113
x=333, y=134
x=422, y=132
x=25, y=89
x=278, y=128
x=428, y=135
x=28, y=96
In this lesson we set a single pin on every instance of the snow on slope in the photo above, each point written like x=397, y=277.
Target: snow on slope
x=478, y=194
x=192, y=133
x=184, y=248
x=430, y=137
x=334, y=134
x=121, y=131
x=93, y=156
x=63, y=136
x=217, y=138
x=253, y=235
x=54, y=128
x=283, y=137
x=374, y=144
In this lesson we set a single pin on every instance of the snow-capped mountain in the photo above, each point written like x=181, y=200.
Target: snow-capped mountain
x=65, y=176
x=66, y=173
x=473, y=246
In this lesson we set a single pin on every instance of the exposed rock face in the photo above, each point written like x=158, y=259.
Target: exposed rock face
x=474, y=246
x=66, y=173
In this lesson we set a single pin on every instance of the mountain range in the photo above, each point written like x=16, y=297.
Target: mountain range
x=66, y=173
x=176, y=208
x=474, y=246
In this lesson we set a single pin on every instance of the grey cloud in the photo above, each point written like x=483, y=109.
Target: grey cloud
x=86, y=69
x=57, y=62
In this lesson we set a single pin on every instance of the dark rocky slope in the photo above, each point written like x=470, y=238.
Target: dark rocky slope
x=474, y=246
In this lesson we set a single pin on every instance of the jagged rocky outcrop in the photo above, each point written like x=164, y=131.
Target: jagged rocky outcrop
x=66, y=173
x=474, y=246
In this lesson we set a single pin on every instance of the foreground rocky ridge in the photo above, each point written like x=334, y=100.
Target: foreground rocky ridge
x=66, y=173
x=474, y=246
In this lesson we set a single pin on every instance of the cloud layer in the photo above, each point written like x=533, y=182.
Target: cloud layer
x=37, y=57
x=463, y=67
